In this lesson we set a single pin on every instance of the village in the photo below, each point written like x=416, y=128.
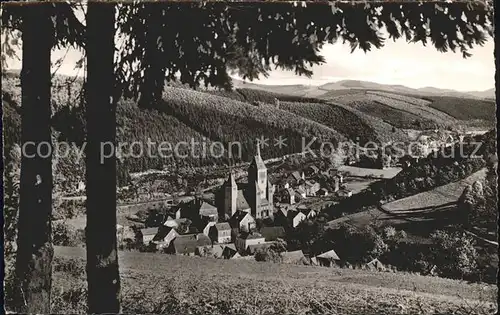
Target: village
x=247, y=216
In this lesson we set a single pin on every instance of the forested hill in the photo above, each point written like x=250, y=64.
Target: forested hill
x=244, y=115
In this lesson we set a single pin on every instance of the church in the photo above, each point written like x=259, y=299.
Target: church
x=256, y=196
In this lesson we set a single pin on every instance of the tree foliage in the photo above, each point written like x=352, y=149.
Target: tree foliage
x=250, y=39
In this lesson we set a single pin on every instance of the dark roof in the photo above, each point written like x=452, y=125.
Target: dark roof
x=239, y=215
x=272, y=233
x=186, y=244
x=306, y=211
x=162, y=233
x=251, y=236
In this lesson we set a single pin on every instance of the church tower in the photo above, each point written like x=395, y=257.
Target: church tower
x=257, y=174
x=230, y=189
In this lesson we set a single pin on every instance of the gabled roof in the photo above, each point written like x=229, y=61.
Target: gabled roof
x=251, y=236
x=149, y=231
x=293, y=213
x=293, y=257
x=257, y=160
x=307, y=211
x=296, y=175
x=272, y=233
x=224, y=226
x=241, y=201
x=163, y=231
x=238, y=216
x=331, y=255
x=206, y=209
x=186, y=244
x=231, y=181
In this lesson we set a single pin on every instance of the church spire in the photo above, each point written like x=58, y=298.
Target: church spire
x=258, y=148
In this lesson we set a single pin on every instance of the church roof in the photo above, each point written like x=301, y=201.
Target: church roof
x=207, y=209
x=241, y=201
x=257, y=160
x=231, y=181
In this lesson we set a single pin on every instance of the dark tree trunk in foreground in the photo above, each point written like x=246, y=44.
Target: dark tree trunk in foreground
x=102, y=260
x=34, y=243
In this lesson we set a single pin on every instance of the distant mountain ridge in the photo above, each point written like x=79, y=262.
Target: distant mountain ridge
x=315, y=91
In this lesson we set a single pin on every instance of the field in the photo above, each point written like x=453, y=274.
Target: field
x=419, y=214
x=370, y=172
x=158, y=283
x=434, y=198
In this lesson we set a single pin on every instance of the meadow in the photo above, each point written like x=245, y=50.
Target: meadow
x=354, y=171
x=436, y=197
x=159, y=283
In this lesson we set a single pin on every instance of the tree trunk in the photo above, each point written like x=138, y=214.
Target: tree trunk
x=102, y=260
x=34, y=242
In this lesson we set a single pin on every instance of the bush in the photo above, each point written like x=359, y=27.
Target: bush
x=64, y=234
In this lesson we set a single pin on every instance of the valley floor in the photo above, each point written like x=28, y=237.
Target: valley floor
x=159, y=283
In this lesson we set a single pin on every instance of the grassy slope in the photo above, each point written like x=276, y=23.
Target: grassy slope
x=249, y=287
x=435, y=197
x=417, y=214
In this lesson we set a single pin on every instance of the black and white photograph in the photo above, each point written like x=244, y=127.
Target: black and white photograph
x=255, y=157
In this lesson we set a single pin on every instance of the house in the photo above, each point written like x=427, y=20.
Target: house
x=164, y=237
x=216, y=250
x=295, y=217
x=311, y=188
x=296, y=257
x=301, y=192
x=327, y=259
x=345, y=193
x=220, y=233
x=199, y=210
x=272, y=233
x=148, y=234
x=243, y=221
x=252, y=249
x=295, y=178
x=255, y=197
x=323, y=192
x=208, y=226
x=187, y=244
x=309, y=213
x=246, y=239
x=230, y=252
x=175, y=222
x=375, y=264
x=311, y=170
x=289, y=196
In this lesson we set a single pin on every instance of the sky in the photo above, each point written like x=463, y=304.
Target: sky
x=398, y=62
